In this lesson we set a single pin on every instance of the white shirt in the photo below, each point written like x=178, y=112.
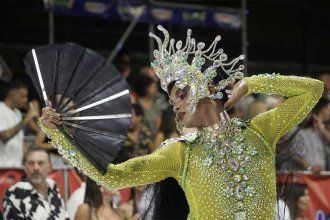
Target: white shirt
x=282, y=211
x=11, y=153
x=22, y=201
x=312, y=149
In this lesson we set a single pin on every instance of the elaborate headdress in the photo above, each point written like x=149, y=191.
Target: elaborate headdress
x=171, y=64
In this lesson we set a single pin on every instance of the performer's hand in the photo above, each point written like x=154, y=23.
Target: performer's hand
x=50, y=118
x=239, y=91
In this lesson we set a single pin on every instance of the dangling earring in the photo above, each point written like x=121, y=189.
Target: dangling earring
x=225, y=116
x=179, y=126
x=225, y=125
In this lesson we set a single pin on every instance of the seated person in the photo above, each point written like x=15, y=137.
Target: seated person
x=38, y=196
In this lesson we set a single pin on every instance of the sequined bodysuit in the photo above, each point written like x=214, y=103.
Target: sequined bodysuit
x=224, y=176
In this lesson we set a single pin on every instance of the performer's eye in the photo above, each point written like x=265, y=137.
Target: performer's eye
x=179, y=95
x=182, y=93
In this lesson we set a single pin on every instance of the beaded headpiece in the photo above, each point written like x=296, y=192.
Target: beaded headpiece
x=171, y=64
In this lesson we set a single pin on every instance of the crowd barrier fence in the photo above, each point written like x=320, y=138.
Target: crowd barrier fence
x=68, y=181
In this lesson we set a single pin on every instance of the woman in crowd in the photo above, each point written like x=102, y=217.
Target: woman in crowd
x=226, y=169
x=299, y=201
x=99, y=204
x=167, y=129
x=315, y=138
x=146, y=89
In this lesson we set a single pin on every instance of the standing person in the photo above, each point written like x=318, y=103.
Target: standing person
x=146, y=89
x=225, y=170
x=38, y=197
x=132, y=146
x=12, y=123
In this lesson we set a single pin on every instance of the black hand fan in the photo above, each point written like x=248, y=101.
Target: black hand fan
x=89, y=93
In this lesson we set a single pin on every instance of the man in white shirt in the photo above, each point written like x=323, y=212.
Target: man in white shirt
x=11, y=123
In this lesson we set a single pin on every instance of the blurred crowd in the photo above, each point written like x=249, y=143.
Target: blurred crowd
x=152, y=123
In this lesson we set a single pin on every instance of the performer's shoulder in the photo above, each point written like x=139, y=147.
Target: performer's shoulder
x=185, y=139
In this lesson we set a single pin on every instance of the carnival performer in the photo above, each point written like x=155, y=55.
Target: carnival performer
x=226, y=169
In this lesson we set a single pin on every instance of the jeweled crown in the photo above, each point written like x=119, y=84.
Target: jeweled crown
x=171, y=64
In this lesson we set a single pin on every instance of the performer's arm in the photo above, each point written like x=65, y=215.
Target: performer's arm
x=301, y=95
x=163, y=163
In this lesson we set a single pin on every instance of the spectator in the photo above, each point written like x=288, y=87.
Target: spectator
x=132, y=146
x=146, y=89
x=149, y=71
x=257, y=107
x=42, y=141
x=123, y=63
x=316, y=137
x=99, y=203
x=325, y=78
x=77, y=197
x=167, y=129
x=281, y=209
x=12, y=122
x=38, y=197
x=298, y=201
x=160, y=97
x=138, y=204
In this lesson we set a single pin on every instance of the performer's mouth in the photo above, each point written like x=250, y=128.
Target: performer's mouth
x=180, y=115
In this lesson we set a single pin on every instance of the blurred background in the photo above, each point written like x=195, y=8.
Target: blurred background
x=291, y=37
x=288, y=36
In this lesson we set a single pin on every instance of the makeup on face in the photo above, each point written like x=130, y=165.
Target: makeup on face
x=180, y=94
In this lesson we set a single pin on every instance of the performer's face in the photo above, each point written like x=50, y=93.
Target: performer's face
x=178, y=98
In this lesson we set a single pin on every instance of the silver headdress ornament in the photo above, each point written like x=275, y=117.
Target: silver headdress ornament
x=171, y=64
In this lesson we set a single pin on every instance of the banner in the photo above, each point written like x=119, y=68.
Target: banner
x=319, y=193
x=155, y=13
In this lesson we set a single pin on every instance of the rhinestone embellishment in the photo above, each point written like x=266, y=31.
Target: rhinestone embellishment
x=225, y=148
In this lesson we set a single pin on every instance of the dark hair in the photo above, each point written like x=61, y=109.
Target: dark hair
x=8, y=87
x=93, y=195
x=168, y=125
x=35, y=149
x=322, y=103
x=297, y=190
x=168, y=201
x=287, y=161
x=137, y=109
x=141, y=85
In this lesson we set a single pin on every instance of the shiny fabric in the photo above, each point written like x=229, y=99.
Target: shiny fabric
x=204, y=186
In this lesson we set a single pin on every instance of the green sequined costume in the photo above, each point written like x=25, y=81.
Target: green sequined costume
x=223, y=176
